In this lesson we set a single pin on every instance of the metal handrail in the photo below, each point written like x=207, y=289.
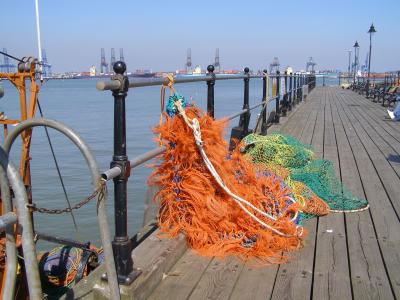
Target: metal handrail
x=145, y=157
x=115, y=84
x=27, y=239
x=11, y=248
x=101, y=208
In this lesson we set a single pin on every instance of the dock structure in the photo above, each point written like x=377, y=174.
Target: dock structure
x=345, y=255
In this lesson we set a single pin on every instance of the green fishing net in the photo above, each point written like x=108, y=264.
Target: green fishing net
x=279, y=149
x=320, y=177
x=284, y=153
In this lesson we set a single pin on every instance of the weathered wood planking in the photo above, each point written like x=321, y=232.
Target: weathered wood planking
x=181, y=280
x=378, y=151
x=368, y=274
x=383, y=216
x=294, y=280
x=331, y=272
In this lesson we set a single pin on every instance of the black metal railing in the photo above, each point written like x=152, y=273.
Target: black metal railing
x=120, y=166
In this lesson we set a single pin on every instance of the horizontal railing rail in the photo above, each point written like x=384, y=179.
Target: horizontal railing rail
x=120, y=167
x=115, y=84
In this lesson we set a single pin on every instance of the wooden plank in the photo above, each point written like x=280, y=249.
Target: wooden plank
x=331, y=271
x=384, y=142
x=183, y=277
x=154, y=257
x=218, y=280
x=388, y=177
x=378, y=110
x=294, y=279
x=368, y=274
x=384, y=219
x=254, y=282
x=388, y=145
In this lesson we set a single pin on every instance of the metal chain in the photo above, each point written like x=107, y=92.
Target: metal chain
x=100, y=192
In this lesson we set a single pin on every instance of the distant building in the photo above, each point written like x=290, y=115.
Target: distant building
x=197, y=70
x=92, y=71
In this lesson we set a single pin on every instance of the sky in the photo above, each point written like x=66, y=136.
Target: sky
x=156, y=34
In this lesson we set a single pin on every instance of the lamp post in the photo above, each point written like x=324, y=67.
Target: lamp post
x=356, y=47
x=371, y=31
x=348, y=72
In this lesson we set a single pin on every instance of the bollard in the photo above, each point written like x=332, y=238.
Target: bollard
x=210, y=91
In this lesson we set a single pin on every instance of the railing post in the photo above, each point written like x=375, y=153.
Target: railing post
x=301, y=78
x=295, y=90
x=121, y=245
x=245, y=118
x=210, y=91
x=242, y=130
x=278, y=97
x=285, y=96
x=265, y=106
x=290, y=91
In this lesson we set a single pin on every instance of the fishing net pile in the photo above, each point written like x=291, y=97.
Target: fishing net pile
x=195, y=203
x=296, y=163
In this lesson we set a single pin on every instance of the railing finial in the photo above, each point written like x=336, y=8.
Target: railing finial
x=119, y=67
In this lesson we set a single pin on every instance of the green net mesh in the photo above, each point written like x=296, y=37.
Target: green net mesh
x=281, y=153
x=320, y=177
x=279, y=149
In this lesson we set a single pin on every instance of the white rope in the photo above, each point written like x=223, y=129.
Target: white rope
x=195, y=126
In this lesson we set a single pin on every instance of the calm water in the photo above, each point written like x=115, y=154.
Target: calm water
x=90, y=113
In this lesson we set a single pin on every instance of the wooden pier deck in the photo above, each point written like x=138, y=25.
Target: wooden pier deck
x=354, y=255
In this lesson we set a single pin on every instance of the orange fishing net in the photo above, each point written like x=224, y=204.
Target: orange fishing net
x=192, y=203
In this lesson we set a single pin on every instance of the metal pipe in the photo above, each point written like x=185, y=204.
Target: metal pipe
x=115, y=84
x=7, y=219
x=95, y=174
x=39, y=43
x=1, y=92
x=11, y=249
x=24, y=219
x=111, y=173
x=138, y=160
x=62, y=241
